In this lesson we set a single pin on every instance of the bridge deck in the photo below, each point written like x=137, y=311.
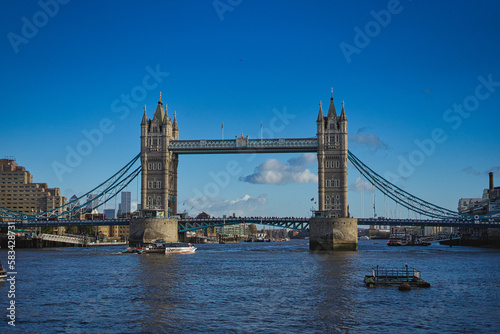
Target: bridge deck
x=296, y=223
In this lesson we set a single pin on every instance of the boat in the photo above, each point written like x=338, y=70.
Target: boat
x=397, y=276
x=159, y=246
x=259, y=239
x=3, y=272
x=179, y=247
x=156, y=246
x=131, y=250
x=397, y=239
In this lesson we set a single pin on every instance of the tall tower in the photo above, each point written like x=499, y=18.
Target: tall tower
x=332, y=162
x=159, y=165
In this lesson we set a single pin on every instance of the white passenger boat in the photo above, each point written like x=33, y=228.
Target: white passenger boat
x=158, y=246
x=153, y=247
x=179, y=247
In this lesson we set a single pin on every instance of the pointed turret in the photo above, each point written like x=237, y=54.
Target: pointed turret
x=331, y=110
x=342, y=114
x=166, y=113
x=176, y=127
x=165, y=117
x=320, y=114
x=144, y=117
x=159, y=113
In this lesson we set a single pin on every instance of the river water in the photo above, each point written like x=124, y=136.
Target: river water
x=278, y=287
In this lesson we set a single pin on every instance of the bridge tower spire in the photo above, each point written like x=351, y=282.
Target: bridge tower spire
x=332, y=163
x=332, y=113
x=159, y=165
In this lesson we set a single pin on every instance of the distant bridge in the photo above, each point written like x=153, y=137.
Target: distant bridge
x=294, y=223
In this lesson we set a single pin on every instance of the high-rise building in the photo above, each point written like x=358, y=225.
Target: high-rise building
x=73, y=202
x=19, y=193
x=92, y=203
x=125, y=205
x=109, y=213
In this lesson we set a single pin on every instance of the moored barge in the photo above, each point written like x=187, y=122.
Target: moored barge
x=392, y=276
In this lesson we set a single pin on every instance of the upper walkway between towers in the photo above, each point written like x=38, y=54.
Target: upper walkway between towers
x=244, y=145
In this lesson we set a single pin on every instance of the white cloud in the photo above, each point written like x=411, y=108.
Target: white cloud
x=273, y=171
x=360, y=184
x=217, y=207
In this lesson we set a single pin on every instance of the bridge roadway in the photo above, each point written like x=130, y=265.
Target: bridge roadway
x=295, y=223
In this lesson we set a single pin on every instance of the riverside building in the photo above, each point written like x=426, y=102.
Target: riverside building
x=19, y=193
x=490, y=202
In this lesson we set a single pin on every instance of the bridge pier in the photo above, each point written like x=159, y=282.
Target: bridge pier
x=333, y=234
x=147, y=229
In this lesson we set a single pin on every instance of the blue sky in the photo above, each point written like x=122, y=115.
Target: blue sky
x=403, y=68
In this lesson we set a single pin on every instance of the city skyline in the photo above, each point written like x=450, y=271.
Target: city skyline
x=420, y=83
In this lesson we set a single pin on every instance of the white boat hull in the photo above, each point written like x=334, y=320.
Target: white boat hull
x=182, y=250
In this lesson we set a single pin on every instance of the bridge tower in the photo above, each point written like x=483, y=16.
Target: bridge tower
x=159, y=165
x=332, y=229
x=332, y=162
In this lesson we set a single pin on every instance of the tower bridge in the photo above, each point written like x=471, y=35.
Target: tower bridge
x=161, y=147
x=331, y=228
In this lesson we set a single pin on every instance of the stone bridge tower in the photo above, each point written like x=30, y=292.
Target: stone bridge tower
x=159, y=165
x=332, y=162
x=332, y=229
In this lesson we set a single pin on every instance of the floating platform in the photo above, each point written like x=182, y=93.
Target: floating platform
x=391, y=276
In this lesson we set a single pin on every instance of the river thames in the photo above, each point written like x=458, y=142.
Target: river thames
x=278, y=287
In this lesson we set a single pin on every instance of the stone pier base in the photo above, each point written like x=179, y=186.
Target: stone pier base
x=147, y=229
x=333, y=234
